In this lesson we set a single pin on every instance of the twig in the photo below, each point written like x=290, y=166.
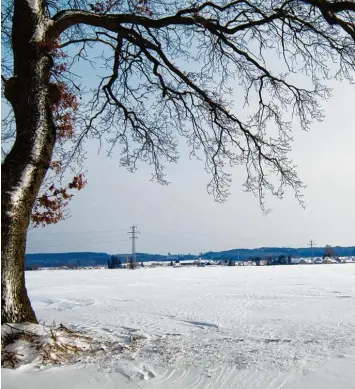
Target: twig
x=20, y=330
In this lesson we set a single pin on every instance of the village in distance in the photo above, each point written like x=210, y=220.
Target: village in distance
x=236, y=257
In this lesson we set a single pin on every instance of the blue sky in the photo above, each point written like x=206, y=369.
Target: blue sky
x=183, y=218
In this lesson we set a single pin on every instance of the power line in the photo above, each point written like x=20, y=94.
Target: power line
x=78, y=239
x=40, y=236
x=133, y=237
x=81, y=232
x=48, y=244
x=311, y=244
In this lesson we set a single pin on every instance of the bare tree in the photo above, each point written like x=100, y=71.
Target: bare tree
x=166, y=70
x=328, y=252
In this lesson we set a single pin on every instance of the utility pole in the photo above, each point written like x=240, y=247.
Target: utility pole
x=311, y=245
x=133, y=236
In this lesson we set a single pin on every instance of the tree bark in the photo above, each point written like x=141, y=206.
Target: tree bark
x=24, y=168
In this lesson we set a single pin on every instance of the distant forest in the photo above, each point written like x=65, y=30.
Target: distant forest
x=95, y=259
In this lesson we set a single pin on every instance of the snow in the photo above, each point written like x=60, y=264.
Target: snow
x=35, y=5
x=43, y=23
x=211, y=327
x=41, y=132
x=39, y=345
x=17, y=192
x=42, y=28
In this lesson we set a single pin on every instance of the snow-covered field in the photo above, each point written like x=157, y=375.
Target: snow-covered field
x=214, y=327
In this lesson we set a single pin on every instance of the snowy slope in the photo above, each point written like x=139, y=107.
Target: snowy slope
x=229, y=327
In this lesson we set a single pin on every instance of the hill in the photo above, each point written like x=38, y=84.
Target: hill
x=92, y=259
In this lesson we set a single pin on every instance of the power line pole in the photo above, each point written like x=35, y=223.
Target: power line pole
x=133, y=236
x=311, y=244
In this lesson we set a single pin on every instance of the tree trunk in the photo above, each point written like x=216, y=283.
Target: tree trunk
x=24, y=168
x=15, y=304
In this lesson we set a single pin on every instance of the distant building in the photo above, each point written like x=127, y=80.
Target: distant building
x=263, y=262
x=329, y=261
x=301, y=261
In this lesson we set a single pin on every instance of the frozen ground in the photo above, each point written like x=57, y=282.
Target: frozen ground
x=241, y=327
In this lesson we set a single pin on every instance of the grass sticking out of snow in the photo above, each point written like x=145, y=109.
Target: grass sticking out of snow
x=41, y=345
